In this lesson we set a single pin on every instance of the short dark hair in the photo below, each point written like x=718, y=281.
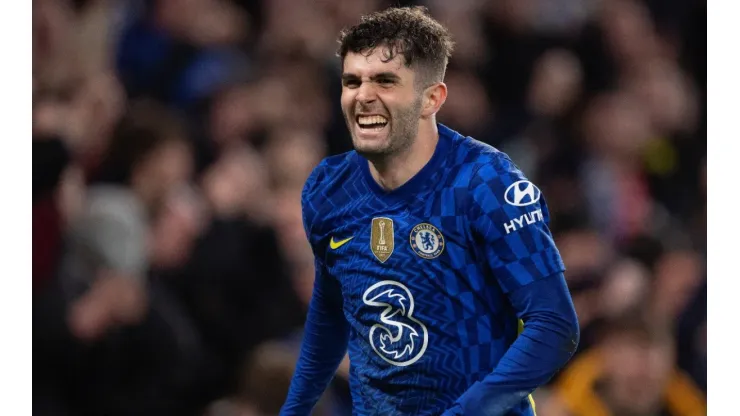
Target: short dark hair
x=410, y=31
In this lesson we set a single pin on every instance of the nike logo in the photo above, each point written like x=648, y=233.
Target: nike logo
x=336, y=244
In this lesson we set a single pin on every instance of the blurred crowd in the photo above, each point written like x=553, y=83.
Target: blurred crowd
x=171, y=139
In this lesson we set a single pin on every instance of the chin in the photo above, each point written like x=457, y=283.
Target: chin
x=370, y=150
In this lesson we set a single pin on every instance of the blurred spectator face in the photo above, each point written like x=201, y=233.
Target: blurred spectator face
x=202, y=22
x=233, y=116
x=236, y=185
x=53, y=27
x=624, y=288
x=618, y=125
x=629, y=31
x=298, y=25
x=94, y=111
x=50, y=116
x=283, y=96
x=556, y=83
x=305, y=95
x=86, y=119
x=165, y=168
x=291, y=155
x=583, y=252
x=273, y=97
x=462, y=19
x=636, y=371
x=517, y=15
x=667, y=93
x=389, y=109
x=175, y=229
x=677, y=276
x=467, y=104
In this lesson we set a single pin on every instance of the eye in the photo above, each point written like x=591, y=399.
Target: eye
x=351, y=83
x=386, y=82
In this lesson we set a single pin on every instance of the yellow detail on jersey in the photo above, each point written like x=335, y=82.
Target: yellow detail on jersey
x=520, y=328
x=336, y=244
x=534, y=407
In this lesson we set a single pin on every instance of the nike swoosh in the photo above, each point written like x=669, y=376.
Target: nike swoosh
x=336, y=244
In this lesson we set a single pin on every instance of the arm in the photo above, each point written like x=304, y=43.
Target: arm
x=548, y=341
x=521, y=255
x=324, y=346
x=326, y=332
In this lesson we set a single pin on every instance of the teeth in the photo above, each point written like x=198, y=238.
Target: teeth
x=369, y=120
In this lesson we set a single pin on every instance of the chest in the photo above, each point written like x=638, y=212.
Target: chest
x=403, y=244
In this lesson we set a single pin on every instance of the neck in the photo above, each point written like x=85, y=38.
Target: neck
x=395, y=170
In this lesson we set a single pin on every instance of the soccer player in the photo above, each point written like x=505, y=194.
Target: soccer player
x=430, y=248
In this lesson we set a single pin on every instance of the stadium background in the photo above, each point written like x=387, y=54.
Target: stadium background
x=601, y=102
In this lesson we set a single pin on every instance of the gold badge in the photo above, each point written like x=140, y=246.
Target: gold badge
x=381, y=238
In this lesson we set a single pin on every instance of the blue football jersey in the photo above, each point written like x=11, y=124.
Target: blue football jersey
x=423, y=270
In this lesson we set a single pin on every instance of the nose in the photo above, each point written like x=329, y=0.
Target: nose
x=365, y=93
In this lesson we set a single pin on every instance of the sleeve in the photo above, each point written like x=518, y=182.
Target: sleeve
x=510, y=223
x=326, y=332
x=509, y=220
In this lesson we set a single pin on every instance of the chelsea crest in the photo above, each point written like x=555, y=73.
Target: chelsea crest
x=427, y=241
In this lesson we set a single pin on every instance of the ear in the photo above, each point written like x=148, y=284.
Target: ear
x=434, y=96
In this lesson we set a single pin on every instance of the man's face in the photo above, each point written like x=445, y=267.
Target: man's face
x=380, y=102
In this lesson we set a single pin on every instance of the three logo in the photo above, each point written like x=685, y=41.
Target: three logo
x=398, y=338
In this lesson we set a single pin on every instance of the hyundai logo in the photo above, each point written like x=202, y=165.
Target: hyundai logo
x=522, y=193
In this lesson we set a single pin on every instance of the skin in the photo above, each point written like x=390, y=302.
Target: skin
x=391, y=89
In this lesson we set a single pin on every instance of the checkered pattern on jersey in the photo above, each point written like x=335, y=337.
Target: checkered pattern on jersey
x=456, y=301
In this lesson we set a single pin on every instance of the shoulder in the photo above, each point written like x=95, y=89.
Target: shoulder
x=492, y=181
x=329, y=171
x=478, y=163
x=326, y=186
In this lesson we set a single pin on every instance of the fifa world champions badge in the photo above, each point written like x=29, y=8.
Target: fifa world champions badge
x=427, y=241
x=382, y=238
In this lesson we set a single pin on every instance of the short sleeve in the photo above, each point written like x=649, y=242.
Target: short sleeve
x=509, y=220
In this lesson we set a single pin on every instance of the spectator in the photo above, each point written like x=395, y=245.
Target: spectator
x=633, y=371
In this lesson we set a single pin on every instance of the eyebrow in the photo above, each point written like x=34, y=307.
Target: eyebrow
x=382, y=75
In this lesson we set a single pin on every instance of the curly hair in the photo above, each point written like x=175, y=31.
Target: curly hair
x=423, y=42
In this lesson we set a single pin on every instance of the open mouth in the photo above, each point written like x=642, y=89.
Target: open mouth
x=373, y=123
